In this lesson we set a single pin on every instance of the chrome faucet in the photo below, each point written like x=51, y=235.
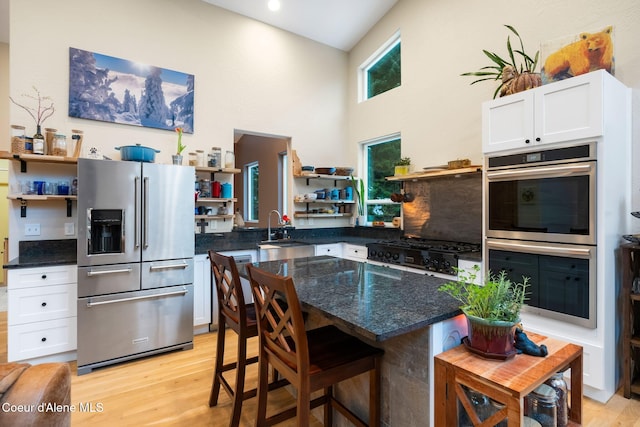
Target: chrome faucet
x=269, y=223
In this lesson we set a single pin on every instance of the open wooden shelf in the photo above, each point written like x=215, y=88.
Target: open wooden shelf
x=41, y=197
x=216, y=170
x=37, y=158
x=434, y=174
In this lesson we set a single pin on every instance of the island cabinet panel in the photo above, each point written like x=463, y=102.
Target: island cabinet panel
x=506, y=382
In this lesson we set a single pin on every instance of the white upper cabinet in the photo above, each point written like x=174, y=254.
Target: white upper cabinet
x=567, y=110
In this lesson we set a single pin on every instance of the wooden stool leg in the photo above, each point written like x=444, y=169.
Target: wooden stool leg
x=263, y=387
x=240, y=371
x=215, y=386
x=328, y=407
x=304, y=405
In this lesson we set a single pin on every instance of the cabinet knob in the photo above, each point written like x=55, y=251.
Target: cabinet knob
x=44, y=276
x=526, y=141
x=538, y=139
x=43, y=339
x=44, y=304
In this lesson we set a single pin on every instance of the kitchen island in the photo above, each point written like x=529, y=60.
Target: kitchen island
x=401, y=312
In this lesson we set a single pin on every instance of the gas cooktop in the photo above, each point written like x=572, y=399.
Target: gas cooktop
x=433, y=255
x=431, y=244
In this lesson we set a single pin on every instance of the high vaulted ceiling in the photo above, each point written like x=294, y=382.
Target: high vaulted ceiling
x=337, y=23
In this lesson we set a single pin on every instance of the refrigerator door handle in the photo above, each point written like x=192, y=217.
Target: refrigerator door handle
x=114, y=301
x=145, y=212
x=136, y=213
x=91, y=273
x=180, y=266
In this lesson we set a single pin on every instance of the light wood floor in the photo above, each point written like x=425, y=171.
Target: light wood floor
x=173, y=390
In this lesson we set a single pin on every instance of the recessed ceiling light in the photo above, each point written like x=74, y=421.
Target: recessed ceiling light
x=273, y=5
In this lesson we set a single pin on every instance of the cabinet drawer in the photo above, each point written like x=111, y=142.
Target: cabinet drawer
x=42, y=303
x=41, y=338
x=354, y=252
x=53, y=275
x=334, y=249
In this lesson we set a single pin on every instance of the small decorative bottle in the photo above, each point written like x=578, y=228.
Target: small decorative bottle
x=38, y=141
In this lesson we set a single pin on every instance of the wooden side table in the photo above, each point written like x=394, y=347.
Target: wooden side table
x=506, y=382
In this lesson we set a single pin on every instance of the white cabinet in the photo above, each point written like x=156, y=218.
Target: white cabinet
x=566, y=110
x=354, y=252
x=42, y=311
x=205, y=298
x=203, y=312
x=332, y=249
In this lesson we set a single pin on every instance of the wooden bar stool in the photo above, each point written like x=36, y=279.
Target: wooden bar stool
x=239, y=317
x=310, y=360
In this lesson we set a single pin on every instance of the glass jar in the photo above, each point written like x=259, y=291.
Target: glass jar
x=18, y=140
x=49, y=138
x=59, y=147
x=558, y=383
x=229, y=160
x=193, y=159
x=76, y=138
x=215, y=157
x=205, y=188
x=541, y=405
x=200, y=158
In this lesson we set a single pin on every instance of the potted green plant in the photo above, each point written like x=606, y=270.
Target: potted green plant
x=492, y=310
x=403, y=166
x=358, y=190
x=515, y=76
x=177, y=158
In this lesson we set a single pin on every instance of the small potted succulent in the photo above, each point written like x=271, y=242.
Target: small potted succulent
x=492, y=311
x=514, y=76
x=403, y=166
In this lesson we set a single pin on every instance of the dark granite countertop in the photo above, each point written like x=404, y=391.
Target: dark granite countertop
x=374, y=302
x=44, y=253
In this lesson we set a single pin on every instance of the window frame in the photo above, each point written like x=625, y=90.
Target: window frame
x=379, y=54
x=248, y=191
x=365, y=174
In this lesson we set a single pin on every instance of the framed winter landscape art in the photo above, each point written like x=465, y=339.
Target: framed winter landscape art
x=120, y=91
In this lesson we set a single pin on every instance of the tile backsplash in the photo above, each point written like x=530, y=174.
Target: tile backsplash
x=445, y=208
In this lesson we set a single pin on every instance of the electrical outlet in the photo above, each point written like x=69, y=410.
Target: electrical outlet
x=69, y=229
x=32, y=229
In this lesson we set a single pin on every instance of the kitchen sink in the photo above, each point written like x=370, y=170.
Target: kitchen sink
x=283, y=249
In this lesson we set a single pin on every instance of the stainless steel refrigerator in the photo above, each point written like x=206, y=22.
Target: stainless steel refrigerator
x=135, y=260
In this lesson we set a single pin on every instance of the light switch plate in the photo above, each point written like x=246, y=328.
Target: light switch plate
x=69, y=229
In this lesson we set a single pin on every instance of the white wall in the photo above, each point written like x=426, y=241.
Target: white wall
x=248, y=75
x=436, y=110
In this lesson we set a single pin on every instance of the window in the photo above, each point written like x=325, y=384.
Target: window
x=380, y=157
x=382, y=71
x=251, y=180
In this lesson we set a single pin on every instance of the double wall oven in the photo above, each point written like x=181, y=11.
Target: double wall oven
x=540, y=223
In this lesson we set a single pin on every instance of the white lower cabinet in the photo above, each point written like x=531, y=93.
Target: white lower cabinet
x=354, y=252
x=205, y=299
x=42, y=305
x=202, y=292
x=332, y=249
